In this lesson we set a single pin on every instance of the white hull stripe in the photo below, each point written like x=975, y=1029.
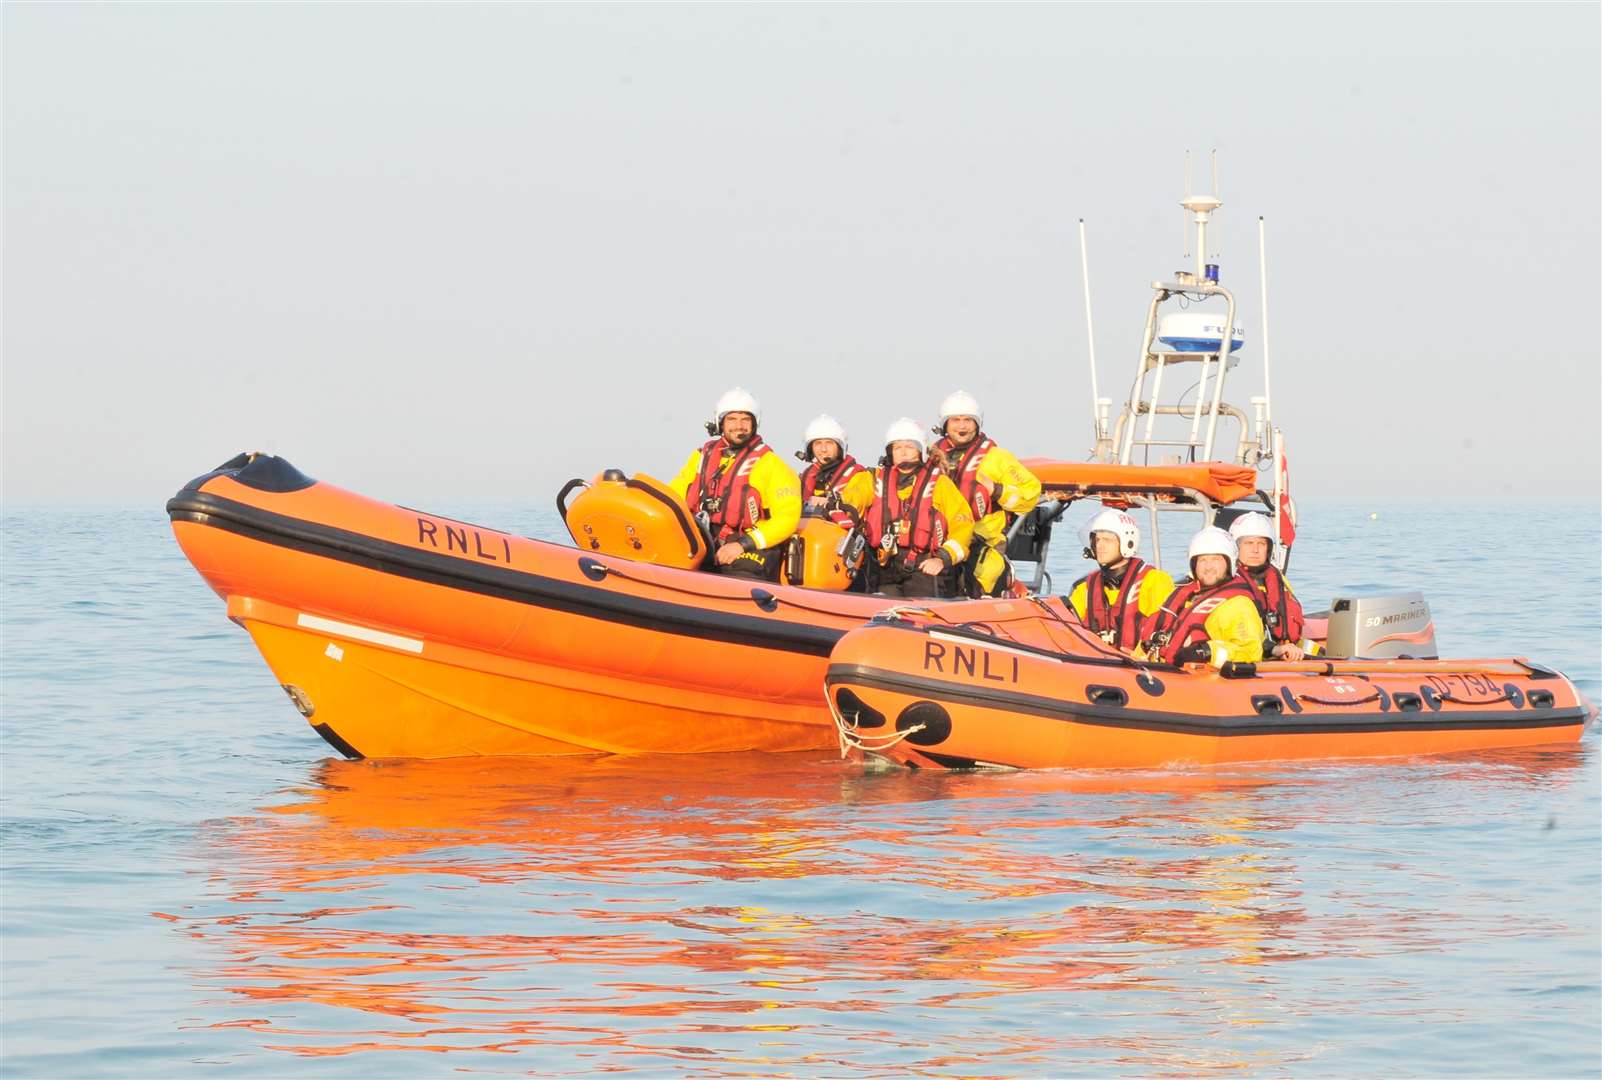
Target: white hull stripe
x=358, y=633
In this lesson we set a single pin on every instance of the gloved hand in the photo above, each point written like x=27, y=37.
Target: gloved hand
x=1199, y=652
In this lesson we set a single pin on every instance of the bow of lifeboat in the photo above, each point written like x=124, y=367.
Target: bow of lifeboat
x=1018, y=683
x=398, y=633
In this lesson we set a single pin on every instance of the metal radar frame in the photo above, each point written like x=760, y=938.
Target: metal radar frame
x=1135, y=438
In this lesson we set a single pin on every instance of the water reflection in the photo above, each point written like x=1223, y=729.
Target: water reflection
x=751, y=914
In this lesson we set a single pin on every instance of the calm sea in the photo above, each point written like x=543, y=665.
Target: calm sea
x=192, y=884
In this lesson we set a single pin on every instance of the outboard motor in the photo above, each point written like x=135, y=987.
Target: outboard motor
x=1381, y=627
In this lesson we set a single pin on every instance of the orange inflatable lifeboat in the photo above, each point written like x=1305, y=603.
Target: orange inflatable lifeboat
x=399, y=633
x=1020, y=683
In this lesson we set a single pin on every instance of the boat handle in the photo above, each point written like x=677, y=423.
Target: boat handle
x=567, y=489
x=1313, y=700
x=1447, y=695
x=1106, y=695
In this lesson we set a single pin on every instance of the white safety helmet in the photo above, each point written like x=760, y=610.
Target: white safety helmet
x=1253, y=524
x=737, y=400
x=1120, y=525
x=824, y=427
x=906, y=430
x=961, y=403
x=1212, y=541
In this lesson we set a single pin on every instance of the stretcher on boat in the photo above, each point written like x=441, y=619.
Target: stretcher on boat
x=1021, y=684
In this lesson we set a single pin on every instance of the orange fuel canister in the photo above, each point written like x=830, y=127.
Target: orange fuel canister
x=814, y=558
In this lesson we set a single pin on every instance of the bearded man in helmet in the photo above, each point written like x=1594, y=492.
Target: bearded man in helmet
x=1123, y=591
x=830, y=467
x=1281, y=611
x=993, y=482
x=914, y=518
x=744, y=495
x=1212, y=618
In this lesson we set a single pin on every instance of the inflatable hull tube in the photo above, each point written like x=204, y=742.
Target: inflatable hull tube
x=1018, y=684
x=403, y=634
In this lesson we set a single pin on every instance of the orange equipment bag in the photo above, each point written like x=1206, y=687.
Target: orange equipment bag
x=813, y=558
x=638, y=518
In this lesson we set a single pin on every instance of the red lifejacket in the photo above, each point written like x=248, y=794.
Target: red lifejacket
x=965, y=471
x=913, y=529
x=830, y=481
x=1119, y=624
x=1182, y=620
x=1281, y=611
x=727, y=496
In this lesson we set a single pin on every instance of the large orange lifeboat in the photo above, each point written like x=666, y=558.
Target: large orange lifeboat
x=399, y=633
x=1019, y=683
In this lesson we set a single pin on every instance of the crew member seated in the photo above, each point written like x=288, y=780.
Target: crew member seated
x=830, y=468
x=1116, y=597
x=993, y=482
x=1281, y=611
x=745, y=497
x=1210, y=619
x=915, y=519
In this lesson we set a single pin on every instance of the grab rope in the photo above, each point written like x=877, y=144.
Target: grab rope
x=760, y=596
x=851, y=737
x=1312, y=700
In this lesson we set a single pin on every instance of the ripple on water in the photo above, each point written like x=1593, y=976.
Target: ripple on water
x=191, y=886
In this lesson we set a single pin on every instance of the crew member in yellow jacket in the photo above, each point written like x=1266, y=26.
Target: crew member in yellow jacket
x=1123, y=591
x=745, y=497
x=1212, y=618
x=998, y=488
x=915, y=520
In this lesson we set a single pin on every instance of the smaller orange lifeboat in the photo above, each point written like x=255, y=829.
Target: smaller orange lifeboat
x=1020, y=683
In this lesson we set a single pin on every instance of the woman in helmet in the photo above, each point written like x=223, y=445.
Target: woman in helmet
x=996, y=486
x=1212, y=618
x=1116, y=597
x=1281, y=611
x=830, y=468
x=916, y=520
x=744, y=495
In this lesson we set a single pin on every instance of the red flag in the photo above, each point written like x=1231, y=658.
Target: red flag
x=1285, y=509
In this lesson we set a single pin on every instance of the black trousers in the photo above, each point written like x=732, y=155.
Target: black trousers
x=763, y=565
x=896, y=580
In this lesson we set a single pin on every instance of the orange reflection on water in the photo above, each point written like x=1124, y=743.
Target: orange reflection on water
x=785, y=909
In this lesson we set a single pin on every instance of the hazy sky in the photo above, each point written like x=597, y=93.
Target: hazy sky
x=445, y=253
